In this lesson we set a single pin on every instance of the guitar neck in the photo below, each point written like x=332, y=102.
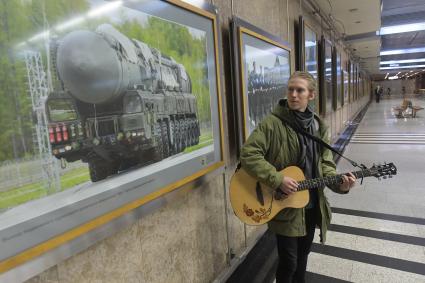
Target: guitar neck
x=330, y=180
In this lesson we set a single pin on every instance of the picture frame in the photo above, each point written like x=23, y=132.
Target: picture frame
x=339, y=81
x=357, y=82
x=192, y=82
x=309, y=56
x=349, y=80
x=326, y=76
x=353, y=81
x=257, y=88
x=345, y=81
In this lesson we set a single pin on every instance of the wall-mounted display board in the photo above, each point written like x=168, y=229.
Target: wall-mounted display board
x=357, y=82
x=338, y=98
x=353, y=82
x=125, y=93
x=345, y=80
x=349, y=67
x=326, y=76
x=308, y=54
x=261, y=72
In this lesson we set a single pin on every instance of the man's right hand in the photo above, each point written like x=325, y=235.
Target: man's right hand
x=288, y=186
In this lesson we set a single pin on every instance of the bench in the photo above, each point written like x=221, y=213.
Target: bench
x=406, y=109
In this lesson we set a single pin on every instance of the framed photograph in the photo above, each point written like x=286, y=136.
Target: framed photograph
x=310, y=50
x=326, y=78
x=106, y=105
x=353, y=81
x=356, y=94
x=349, y=81
x=339, y=95
x=262, y=68
x=345, y=86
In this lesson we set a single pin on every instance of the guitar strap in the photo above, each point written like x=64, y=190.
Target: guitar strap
x=297, y=129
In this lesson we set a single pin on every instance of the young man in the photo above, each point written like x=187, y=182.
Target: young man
x=272, y=146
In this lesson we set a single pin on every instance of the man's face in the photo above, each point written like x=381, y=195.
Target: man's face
x=298, y=94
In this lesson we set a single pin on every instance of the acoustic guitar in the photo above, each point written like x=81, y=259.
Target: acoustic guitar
x=256, y=204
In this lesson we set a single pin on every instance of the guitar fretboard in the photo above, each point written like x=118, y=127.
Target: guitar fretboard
x=330, y=180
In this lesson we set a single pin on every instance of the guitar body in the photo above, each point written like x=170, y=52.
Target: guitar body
x=255, y=204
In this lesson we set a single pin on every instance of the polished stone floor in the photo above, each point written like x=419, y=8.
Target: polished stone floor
x=378, y=229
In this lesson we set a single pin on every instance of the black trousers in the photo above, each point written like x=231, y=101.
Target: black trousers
x=293, y=252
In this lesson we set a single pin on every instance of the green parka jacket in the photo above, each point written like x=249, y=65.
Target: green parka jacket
x=273, y=146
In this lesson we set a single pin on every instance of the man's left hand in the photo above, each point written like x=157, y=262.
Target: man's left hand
x=348, y=182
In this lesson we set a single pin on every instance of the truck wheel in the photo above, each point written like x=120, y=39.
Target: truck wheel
x=165, y=140
x=173, y=134
x=192, y=132
x=183, y=131
x=197, y=133
x=99, y=169
x=189, y=133
x=178, y=136
x=158, y=156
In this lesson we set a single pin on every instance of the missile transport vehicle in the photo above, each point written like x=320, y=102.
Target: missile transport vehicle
x=120, y=102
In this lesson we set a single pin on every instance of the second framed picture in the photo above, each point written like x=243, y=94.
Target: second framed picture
x=326, y=78
x=261, y=72
x=308, y=54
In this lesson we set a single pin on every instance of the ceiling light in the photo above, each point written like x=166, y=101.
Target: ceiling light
x=403, y=61
x=401, y=28
x=402, y=67
x=402, y=51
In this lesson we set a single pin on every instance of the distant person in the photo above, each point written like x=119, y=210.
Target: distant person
x=403, y=91
x=378, y=92
x=388, y=92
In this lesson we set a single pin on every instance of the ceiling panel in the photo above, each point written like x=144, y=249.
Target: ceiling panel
x=357, y=16
x=403, y=19
x=366, y=48
x=361, y=20
x=400, y=7
x=402, y=40
x=403, y=56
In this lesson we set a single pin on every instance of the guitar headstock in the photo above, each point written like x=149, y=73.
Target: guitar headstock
x=387, y=169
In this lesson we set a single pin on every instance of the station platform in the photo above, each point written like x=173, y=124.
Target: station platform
x=378, y=230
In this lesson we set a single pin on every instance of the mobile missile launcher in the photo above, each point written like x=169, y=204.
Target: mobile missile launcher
x=121, y=102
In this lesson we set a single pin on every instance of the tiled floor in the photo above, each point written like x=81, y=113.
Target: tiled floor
x=373, y=243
